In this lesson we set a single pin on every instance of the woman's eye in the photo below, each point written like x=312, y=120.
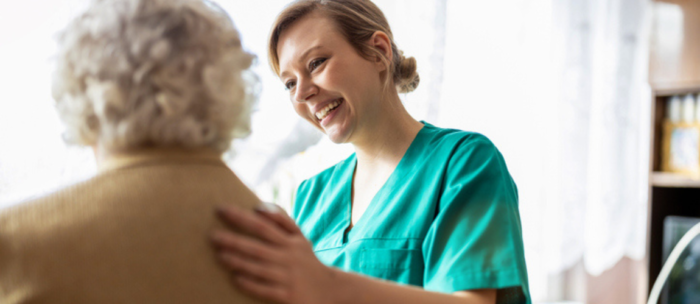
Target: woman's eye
x=289, y=85
x=314, y=64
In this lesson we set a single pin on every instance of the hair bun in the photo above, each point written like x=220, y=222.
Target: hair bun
x=407, y=78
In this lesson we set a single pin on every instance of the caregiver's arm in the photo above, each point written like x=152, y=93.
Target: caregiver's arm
x=354, y=288
x=276, y=262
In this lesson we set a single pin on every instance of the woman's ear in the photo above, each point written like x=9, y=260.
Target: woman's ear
x=382, y=43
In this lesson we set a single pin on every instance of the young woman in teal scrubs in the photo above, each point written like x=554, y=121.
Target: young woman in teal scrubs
x=418, y=214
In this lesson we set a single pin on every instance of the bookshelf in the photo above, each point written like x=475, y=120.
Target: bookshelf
x=674, y=70
x=670, y=180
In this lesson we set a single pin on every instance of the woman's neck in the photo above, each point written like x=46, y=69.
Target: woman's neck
x=387, y=135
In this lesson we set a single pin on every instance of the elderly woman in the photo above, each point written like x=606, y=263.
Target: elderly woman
x=158, y=88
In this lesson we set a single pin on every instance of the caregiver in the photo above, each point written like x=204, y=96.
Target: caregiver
x=418, y=214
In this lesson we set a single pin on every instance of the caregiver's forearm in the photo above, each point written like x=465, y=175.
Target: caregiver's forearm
x=350, y=288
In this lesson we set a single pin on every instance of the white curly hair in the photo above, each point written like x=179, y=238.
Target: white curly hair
x=135, y=73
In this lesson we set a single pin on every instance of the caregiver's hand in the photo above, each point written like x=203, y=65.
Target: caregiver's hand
x=274, y=261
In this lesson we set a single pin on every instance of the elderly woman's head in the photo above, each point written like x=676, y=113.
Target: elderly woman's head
x=138, y=73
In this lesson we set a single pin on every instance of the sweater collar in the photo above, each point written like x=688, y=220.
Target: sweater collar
x=149, y=156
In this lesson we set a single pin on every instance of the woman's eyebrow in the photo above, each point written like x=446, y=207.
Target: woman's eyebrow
x=309, y=50
x=303, y=56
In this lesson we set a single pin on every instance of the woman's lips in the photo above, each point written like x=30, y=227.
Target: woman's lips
x=331, y=114
x=321, y=114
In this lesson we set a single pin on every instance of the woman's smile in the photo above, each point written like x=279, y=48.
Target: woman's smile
x=327, y=113
x=330, y=83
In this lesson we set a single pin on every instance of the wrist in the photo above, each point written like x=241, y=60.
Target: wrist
x=337, y=286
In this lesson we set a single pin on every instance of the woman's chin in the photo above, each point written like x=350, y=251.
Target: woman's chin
x=337, y=134
x=336, y=140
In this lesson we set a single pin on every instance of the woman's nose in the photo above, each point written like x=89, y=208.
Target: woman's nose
x=305, y=90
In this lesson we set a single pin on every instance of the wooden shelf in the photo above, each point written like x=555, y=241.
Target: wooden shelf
x=672, y=180
x=670, y=89
x=674, y=69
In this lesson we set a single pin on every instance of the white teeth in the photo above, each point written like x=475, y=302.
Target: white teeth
x=324, y=112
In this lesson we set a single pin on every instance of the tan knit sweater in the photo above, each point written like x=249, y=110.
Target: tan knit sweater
x=136, y=233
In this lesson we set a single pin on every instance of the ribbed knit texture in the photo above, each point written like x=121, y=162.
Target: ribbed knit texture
x=136, y=233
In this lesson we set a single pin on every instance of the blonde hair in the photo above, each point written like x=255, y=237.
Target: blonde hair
x=357, y=21
x=133, y=73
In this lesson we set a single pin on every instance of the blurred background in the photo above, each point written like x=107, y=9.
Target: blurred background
x=580, y=96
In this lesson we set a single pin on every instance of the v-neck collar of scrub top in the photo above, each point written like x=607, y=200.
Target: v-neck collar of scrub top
x=359, y=229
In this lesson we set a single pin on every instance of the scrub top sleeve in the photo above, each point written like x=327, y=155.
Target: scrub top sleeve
x=475, y=240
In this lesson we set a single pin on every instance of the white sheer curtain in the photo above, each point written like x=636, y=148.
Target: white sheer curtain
x=594, y=207
x=602, y=58
x=559, y=86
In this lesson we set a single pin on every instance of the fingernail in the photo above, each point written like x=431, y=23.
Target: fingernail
x=266, y=207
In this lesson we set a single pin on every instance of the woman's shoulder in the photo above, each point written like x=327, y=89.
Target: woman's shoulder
x=466, y=154
x=459, y=141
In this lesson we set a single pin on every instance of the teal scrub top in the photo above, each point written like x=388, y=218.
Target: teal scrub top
x=446, y=219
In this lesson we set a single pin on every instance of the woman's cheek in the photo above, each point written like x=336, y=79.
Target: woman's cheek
x=331, y=76
x=302, y=110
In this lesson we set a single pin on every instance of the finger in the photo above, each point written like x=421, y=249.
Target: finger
x=281, y=218
x=252, y=268
x=262, y=290
x=252, y=224
x=271, y=207
x=232, y=243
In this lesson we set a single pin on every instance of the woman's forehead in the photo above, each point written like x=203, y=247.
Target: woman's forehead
x=304, y=36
